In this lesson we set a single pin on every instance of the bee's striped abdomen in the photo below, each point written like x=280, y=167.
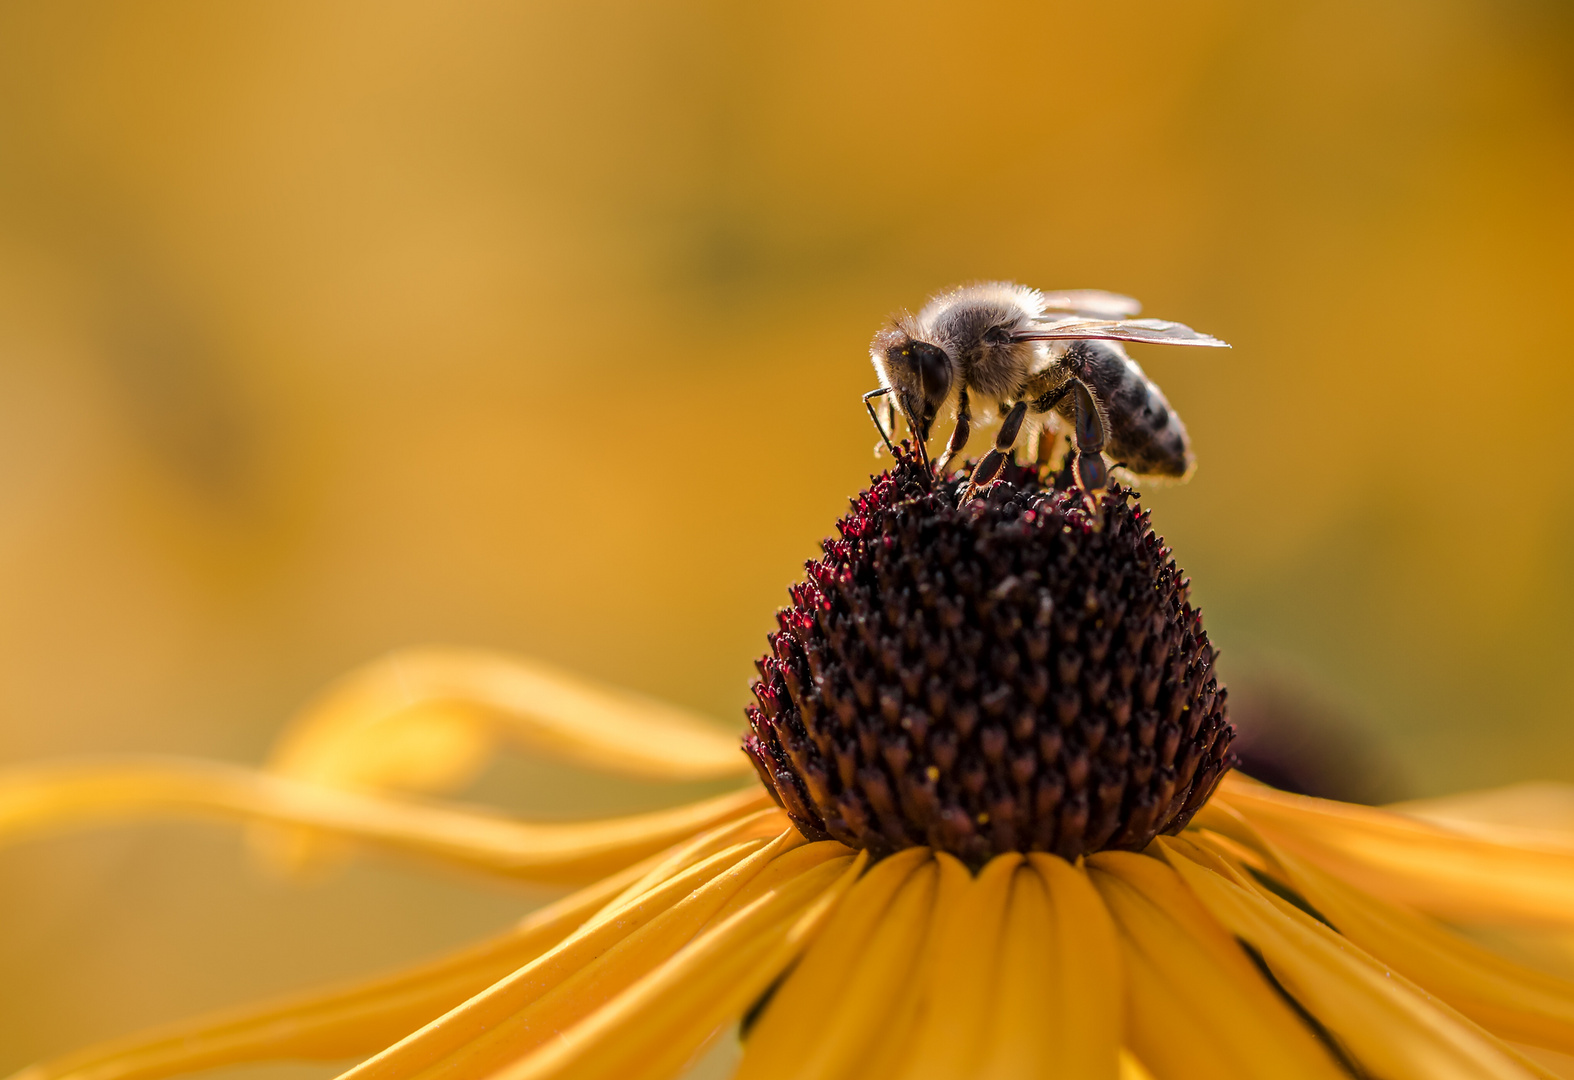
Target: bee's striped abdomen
x=1145, y=434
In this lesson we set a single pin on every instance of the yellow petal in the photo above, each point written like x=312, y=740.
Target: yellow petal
x=425, y=719
x=1021, y=1029
x=874, y=997
x=1131, y=1068
x=658, y=1025
x=909, y=1008
x=1160, y=1025
x=820, y=1020
x=496, y=1025
x=1540, y=806
x=1511, y=1001
x=1085, y=974
x=1388, y=1026
x=49, y=796
x=1491, y=874
x=961, y=983
x=784, y=868
x=1197, y=1005
x=336, y=1022
x=1558, y=1065
x=760, y=825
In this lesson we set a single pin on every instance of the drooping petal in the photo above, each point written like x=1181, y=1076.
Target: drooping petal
x=336, y=1022
x=1390, y=1027
x=1490, y=874
x=820, y=1022
x=1197, y=1005
x=50, y=796
x=424, y=719
x=1540, y=806
x=962, y=978
x=1085, y=973
x=602, y=958
x=659, y=1024
x=1510, y=1000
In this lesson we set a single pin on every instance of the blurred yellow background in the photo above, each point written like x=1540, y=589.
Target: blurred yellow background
x=327, y=328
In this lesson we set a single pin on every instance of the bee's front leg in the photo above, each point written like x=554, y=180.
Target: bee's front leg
x=878, y=426
x=990, y=465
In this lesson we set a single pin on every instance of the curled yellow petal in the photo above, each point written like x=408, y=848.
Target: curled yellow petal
x=1197, y=1005
x=820, y=1020
x=426, y=719
x=1389, y=1026
x=39, y=797
x=1488, y=874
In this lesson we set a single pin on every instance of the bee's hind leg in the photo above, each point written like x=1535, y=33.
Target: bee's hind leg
x=1090, y=434
x=990, y=464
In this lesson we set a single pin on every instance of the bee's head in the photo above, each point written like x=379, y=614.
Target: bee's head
x=918, y=373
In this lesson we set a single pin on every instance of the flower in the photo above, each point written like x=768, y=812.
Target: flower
x=1015, y=674
x=984, y=847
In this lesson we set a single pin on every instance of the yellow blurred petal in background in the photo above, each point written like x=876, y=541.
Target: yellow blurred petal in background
x=49, y=796
x=431, y=719
x=426, y=720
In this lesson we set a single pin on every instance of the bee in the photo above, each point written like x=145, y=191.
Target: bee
x=1020, y=351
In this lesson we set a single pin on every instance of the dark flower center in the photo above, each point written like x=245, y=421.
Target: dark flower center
x=1017, y=674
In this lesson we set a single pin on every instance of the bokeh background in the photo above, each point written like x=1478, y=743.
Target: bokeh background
x=327, y=328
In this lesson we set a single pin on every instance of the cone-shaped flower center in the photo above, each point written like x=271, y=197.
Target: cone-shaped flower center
x=1014, y=674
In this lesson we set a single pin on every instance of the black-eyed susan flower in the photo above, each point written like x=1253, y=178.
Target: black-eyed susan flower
x=995, y=838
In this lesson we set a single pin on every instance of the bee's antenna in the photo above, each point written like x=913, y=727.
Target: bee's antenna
x=869, y=404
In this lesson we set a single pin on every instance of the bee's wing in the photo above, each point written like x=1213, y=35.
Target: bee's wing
x=1144, y=331
x=1089, y=303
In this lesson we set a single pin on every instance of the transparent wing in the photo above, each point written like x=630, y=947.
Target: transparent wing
x=1089, y=303
x=1145, y=331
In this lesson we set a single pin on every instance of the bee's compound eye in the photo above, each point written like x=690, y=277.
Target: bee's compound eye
x=934, y=370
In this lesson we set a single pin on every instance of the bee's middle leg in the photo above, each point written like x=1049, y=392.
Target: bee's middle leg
x=964, y=420
x=1041, y=450
x=1044, y=433
x=990, y=464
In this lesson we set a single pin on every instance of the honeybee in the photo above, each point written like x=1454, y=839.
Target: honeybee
x=1022, y=351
